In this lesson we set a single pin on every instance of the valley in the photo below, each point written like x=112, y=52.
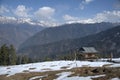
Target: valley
x=59, y=39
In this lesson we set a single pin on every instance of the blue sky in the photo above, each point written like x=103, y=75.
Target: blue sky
x=62, y=11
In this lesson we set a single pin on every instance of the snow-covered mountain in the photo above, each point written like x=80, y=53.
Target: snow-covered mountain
x=14, y=31
x=13, y=20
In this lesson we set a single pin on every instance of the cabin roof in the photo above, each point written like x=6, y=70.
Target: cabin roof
x=88, y=50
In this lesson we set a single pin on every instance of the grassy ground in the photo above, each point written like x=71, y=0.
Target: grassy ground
x=84, y=71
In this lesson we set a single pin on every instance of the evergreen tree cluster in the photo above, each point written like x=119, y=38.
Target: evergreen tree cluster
x=7, y=55
x=24, y=59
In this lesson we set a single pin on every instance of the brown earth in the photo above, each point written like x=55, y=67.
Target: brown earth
x=109, y=72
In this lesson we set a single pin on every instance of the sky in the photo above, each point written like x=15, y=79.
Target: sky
x=56, y=12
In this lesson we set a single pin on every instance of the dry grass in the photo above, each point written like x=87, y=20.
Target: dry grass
x=46, y=69
x=107, y=65
x=8, y=67
x=32, y=68
x=53, y=65
x=65, y=67
x=26, y=71
x=83, y=71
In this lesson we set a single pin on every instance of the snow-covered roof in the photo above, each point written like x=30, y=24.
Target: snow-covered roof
x=88, y=50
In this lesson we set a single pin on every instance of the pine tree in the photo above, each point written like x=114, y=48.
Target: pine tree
x=12, y=55
x=0, y=57
x=24, y=59
x=4, y=55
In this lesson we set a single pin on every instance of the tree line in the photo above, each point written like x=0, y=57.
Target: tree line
x=8, y=56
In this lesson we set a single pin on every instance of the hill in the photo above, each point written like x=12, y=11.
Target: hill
x=106, y=42
x=17, y=33
x=63, y=32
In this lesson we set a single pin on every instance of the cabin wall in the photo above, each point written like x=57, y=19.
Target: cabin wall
x=89, y=56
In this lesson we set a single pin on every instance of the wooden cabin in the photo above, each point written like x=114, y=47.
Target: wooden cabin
x=88, y=53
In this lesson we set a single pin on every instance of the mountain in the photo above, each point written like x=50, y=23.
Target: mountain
x=15, y=20
x=67, y=31
x=106, y=41
x=17, y=33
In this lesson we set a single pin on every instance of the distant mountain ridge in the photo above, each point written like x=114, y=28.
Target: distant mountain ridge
x=14, y=20
x=98, y=40
x=67, y=31
x=17, y=33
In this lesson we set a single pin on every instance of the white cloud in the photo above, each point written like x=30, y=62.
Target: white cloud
x=106, y=16
x=45, y=13
x=45, y=16
x=3, y=9
x=84, y=3
x=81, y=21
x=88, y=1
x=69, y=18
x=22, y=11
x=48, y=23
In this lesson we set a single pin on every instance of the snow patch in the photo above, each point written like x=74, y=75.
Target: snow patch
x=37, y=77
x=64, y=77
x=50, y=66
x=115, y=79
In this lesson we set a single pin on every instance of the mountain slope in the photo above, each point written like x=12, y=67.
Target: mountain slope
x=68, y=31
x=17, y=33
x=106, y=42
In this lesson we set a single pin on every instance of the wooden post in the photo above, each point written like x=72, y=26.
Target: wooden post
x=111, y=56
x=75, y=59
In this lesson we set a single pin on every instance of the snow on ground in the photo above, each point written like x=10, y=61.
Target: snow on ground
x=115, y=79
x=82, y=78
x=64, y=76
x=49, y=66
x=115, y=65
x=114, y=59
x=36, y=77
